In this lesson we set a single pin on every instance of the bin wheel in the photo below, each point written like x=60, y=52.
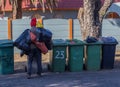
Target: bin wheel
x=25, y=68
x=66, y=68
x=48, y=67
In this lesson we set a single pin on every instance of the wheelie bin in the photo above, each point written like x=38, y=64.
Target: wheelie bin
x=6, y=56
x=108, y=52
x=93, y=55
x=75, y=55
x=58, y=55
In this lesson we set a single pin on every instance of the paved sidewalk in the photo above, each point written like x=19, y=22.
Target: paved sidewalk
x=102, y=78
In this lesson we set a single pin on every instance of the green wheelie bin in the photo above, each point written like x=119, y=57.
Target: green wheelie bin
x=6, y=56
x=75, y=55
x=58, y=55
x=93, y=55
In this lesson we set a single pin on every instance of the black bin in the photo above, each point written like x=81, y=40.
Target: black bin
x=108, y=52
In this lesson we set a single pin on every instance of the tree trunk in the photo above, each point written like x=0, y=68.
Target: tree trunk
x=90, y=17
x=17, y=9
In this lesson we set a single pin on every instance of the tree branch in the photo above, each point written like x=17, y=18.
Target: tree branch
x=97, y=8
x=104, y=8
x=80, y=15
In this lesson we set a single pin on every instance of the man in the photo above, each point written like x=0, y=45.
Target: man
x=35, y=54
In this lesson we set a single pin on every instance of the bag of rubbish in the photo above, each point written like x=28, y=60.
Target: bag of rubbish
x=23, y=41
x=108, y=40
x=91, y=39
x=42, y=34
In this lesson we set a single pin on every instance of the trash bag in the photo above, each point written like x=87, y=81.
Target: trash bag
x=43, y=34
x=91, y=39
x=23, y=41
x=41, y=46
x=46, y=34
x=37, y=33
x=109, y=40
x=48, y=44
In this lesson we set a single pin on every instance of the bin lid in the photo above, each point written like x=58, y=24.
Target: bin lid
x=59, y=42
x=97, y=43
x=74, y=42
x=6, y=43
x=108, y=40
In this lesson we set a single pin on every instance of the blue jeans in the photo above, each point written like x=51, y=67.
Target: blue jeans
x=35, y=54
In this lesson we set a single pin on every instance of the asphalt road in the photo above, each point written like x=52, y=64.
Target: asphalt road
x=102, y=78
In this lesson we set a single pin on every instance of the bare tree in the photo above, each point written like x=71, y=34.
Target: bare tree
x=91, y=17
x=17, y=6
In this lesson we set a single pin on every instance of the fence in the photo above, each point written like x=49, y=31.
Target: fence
x=61, y=28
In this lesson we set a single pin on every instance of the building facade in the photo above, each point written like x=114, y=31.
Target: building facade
x=66, y=9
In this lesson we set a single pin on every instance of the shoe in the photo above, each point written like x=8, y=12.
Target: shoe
x=28, y=76
x=39, y=74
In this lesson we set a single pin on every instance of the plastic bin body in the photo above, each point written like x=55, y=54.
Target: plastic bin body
x=6, y=57
x=108, y=52
x=75, y=55
x=58, y=57
x=108, y=56
x=93, y=56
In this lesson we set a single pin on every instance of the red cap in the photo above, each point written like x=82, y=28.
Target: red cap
x=33, y=22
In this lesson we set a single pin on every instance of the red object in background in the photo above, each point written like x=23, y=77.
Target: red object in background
x=33, y=22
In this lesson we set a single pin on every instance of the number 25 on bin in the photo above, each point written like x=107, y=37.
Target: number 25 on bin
x=59, y=55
